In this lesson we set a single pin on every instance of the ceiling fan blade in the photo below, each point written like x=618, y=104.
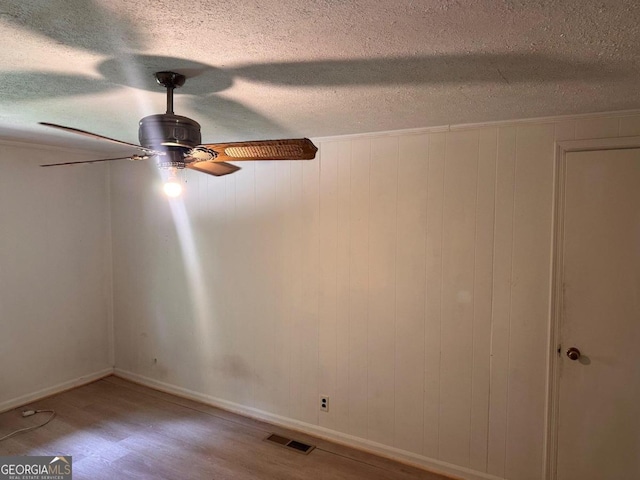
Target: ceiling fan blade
x=132, y=157
x=95, y=135
x=288, y=149
x=213, y=168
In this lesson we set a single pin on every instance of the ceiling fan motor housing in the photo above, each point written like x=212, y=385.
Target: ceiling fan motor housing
x=174, y=134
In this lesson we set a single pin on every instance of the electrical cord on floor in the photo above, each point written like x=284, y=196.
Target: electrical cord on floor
x=28, y=413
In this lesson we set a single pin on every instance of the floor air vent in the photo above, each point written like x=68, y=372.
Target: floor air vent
x=293, y=444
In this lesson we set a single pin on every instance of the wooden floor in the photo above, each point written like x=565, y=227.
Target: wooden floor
x=115, y=429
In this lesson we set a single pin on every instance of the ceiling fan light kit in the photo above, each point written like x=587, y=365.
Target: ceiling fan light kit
x=175, y=142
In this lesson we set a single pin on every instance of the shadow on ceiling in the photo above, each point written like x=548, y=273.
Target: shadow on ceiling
x=89, y=25
x=137, y=71
x=498, y=68
x=205, y=81
x=81, y=24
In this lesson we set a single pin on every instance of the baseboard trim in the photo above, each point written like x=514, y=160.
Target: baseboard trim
x=402, y=456
x=61, y=387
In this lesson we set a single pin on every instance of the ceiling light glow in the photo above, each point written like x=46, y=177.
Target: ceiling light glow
x=172, y=188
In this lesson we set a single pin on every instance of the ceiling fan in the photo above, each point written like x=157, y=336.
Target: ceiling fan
x=175, y=142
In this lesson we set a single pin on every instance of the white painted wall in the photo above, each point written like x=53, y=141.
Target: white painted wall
x=406, y=276
x=55, y=276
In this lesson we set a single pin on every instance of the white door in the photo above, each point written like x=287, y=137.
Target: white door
x=599, y=392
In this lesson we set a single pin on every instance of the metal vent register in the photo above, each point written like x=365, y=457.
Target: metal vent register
x=289, y=443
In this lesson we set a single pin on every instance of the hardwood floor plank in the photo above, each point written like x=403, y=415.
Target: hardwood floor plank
x=114, y=428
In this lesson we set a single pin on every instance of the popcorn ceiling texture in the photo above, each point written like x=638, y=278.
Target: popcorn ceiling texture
x=264, y=69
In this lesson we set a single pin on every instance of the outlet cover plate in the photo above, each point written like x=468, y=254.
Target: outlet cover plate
x=324, y=403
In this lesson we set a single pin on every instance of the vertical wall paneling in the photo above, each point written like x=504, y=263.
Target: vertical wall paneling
x=405, y=275
x=108, y=271
x=265, y=293
x=282, y=326
x=339, y=406
x=327, y=314
x=147, y=275
x=232, y=362
x=239, y=361
x=410, y=293
x=383, y=192
x=211, y=331
x=501, y=299
x=458, y=262
x=433, y=293
x=296, y=305
x=181, y=248
x=245, y=238
x=358, y=286
x=214, y=333
x=530, y=301
x=129, y=264
x=234, y=366
x=305, y=381
x=482, y=307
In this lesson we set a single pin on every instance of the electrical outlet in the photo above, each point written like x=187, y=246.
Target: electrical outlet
x=324, y=403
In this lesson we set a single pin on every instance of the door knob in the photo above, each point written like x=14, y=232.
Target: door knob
x=573, y=353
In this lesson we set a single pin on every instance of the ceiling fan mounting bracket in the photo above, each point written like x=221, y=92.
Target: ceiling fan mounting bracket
x=170, y=79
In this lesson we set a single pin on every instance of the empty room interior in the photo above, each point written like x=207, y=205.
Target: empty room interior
x=303, y=239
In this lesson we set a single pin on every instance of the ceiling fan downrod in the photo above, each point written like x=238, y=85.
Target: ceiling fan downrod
x=171, y=81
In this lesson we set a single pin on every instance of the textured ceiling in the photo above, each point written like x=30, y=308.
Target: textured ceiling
x=276, y=68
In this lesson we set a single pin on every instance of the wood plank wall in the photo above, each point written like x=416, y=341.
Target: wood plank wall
x=406, y=276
